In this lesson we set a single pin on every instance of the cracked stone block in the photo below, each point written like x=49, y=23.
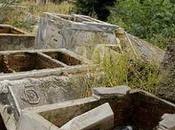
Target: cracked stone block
x=99, y=118
x=109, y=92
x=28, y=93
x=167, y=123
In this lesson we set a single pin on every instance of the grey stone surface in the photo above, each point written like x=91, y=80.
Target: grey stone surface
x=28, y=93
x=75, y=32
x=109, y=92
x=33, y=121
x=167, y=123
x=99, y=118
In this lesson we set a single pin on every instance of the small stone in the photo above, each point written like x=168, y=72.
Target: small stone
x=108, y=92
x=168, y=122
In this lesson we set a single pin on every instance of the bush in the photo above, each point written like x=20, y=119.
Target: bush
x=124, y=69
x=98, y=8
x=148, y=19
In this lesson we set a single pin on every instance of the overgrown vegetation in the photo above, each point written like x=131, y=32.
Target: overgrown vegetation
x=153, y=20
x=122, y=69
x=95, y=8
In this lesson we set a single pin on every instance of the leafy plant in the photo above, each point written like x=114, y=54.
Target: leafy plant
x=149, y=19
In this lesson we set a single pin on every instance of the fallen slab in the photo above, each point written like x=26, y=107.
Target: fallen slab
x=99, y=118
x=167, y=123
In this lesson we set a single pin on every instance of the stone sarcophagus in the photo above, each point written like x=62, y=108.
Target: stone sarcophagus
x=38, y=63
x=74, y=32
x=12, y=38
x=118, y=108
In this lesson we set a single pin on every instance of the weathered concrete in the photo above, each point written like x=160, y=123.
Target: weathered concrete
x=73, y=32
x=139, y=48
x=12, y=38
x=38, y=63
x=135, y=108
x=32, y=121
x=99, y=118
x=104, y=92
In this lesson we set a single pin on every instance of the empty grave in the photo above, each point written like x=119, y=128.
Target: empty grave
x=36, y=63
x=25, y=61
x=137, y=109
x=12, y=38
x=63, y=57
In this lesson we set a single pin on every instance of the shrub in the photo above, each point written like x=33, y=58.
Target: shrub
x=98, y=8
x=122, y=69
x=148, y=19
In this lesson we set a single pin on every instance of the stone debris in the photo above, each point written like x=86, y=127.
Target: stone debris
x=167, y=123
x=100, y=118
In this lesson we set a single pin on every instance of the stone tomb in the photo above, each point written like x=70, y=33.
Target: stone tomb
x=78, y=33
x=12, y=38
x=37, y=63
x=133, y=108
x=28, y=93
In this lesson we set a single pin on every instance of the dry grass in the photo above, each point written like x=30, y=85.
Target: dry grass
x=122, y=69
x=25, y=15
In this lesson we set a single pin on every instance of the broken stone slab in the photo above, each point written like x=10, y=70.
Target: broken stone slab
x=33, y=121
x=99, y=118
x=105, y=92
x=167, y=123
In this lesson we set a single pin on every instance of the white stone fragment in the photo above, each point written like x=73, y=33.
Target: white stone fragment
x=100, y=118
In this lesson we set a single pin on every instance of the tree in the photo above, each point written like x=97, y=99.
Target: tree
x=99, y=8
